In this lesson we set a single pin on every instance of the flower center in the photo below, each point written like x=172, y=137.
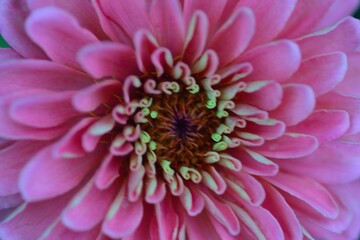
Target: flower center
x=182, y=128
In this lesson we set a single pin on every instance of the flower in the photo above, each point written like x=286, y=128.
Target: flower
x=179, y=119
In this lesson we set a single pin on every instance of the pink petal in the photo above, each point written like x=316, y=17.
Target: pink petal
x=269, y=129
x=196, y=38
x=350, y=85
x=10, y=201
x=108, y=171
x=31, y=219
x=297, y=104
x=90, y=98
x=338, y=10
x=43, y=110
x=343, y=37
x=291, y=145
x=12, y=130
x=271, y=18
x=12, y=17
x=222, y=212
x=273, y=61
x=45, y=177
x=212, y=9
x=349, y=104
x=280, y=209
x=254, y=163
x=192, y=201
x=266, y=95
x=145, y=45
x=121, y=15
x=304, y=18
x=322, y=73
x=59, y=232
x=167, y=219
x=12, y=160
x=242, y=186
x=258, y=221
x=86, y=15
x=195, y=228
x=333, y=162
x=168, y=23
x=70, y=145
x=7, y=54
x=108, y=60
x=88, y=207
x=325, y=125
x=39, y=74
x=47, y=25
x=231, y=39
x=307, y=190
x=123, y=217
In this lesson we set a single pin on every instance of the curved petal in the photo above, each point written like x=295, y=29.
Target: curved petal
x=88, y=207
x=12, y=160
x=351, y=83
x=306, y=190
x=291, y=145
x=85, y=14
x=12, y=18
x=43, y=110
x=297, y=104
x=322, y=73
x=47, y=25
x=325, y=125
x=333, y=162
x=168, y=23
x=273, y=61
x=232, y=38
x=271, y=16
x=40, y=74
x=108, y=60
x=342, y=37
x=45, y=177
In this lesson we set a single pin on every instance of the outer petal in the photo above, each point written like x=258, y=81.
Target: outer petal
x=57, y=231
x=273, y=61
x=169, y=26
x=342, y=37
x=297, y=104
x=123, y=217
x=322, y=73
x=234, y=35
x=85, y=14
x=291, y=145
x=124, y=17
x=271, y=17
x=43, y=110
x=307, y=190
x=47, y=25
x=351, y=105
x=32, y=219
x=39, y=74
x=333, y=162
x=351, y=83
x=305, y=16
x=12, y=17
x=88, y=208
x=12, y=160
x=108, y=60
x=45, y=177
x=325, y=125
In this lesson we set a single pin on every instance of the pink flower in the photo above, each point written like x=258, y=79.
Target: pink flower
x=189, y=119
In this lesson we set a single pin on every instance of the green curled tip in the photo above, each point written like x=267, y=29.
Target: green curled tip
x=210, y=104
x=220, y=146
x=216, y=137
x=153, y=114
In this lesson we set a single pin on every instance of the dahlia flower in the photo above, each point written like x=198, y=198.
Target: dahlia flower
x=179, y=119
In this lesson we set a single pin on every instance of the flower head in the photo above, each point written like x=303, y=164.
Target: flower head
x=159, y=119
